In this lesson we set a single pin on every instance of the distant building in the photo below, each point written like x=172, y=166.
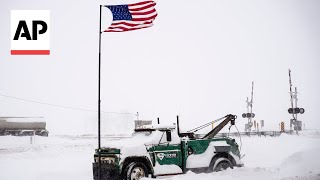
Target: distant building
x=140, y=123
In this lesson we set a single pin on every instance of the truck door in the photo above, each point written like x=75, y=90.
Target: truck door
x=167, y=154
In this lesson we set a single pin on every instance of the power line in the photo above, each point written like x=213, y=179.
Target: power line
x=60, y=106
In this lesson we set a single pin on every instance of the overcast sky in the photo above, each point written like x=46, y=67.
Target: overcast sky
x=198, y=60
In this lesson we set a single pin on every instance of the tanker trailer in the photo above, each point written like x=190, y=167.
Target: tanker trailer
x=23, y=126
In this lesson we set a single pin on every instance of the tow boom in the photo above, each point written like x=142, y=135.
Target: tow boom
x=226, y=119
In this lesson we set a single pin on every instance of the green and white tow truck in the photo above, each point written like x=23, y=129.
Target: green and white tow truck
x=163, y=150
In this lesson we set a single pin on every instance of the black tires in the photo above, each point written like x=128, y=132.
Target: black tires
x=136, y=171
x=45, y=133
x=26, y=133
x=220, y=164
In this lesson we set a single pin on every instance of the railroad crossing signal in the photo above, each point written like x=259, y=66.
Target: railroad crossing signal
x=248, y=115
x=296, y=110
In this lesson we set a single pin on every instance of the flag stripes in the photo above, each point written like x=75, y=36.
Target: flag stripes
x=132, y=16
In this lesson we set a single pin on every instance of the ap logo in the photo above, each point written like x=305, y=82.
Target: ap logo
x=30, y=32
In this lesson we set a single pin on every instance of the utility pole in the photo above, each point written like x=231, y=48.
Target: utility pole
x=249, y=113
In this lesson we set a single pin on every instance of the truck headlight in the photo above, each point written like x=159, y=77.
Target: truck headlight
x=108, y=160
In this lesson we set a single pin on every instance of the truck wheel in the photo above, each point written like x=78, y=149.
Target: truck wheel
x=44, y=134
x=24, y=134
x=136, y=171
x=221, y=164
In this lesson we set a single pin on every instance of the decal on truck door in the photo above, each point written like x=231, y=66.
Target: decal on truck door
x=160, y=156
x=169, y=155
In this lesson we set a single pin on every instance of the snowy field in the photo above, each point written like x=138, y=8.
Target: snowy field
x=64, y=158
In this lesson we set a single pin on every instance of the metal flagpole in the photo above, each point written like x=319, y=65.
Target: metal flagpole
x=99, y=102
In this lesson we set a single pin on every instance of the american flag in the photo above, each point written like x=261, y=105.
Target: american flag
x=132, y=16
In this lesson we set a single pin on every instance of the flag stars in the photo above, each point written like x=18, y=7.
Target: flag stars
x=121, y=16
x=120, y=12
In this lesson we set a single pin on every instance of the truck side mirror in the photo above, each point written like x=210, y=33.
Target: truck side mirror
x=168, y=133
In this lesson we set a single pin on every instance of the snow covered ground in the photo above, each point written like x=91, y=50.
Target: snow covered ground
x=65, y=157
x=288, y=157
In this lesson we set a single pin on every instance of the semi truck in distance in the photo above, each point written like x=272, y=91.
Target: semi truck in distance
x=23, y=126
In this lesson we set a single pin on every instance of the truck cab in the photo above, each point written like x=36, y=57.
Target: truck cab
x=160, y=150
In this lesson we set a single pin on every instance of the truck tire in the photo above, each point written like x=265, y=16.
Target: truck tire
x=45, y=133
x=220, y=164
x=136, y=171
x=24, y=134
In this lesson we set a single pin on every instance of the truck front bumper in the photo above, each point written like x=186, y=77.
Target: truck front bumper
x=239, y=165
x=108, y=172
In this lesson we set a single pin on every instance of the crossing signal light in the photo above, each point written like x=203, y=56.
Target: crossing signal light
x=296, y=110
x=248, y=115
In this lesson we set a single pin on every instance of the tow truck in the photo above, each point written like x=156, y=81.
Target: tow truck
x=162, y=150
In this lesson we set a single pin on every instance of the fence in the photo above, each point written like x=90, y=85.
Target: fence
x=254, y=133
